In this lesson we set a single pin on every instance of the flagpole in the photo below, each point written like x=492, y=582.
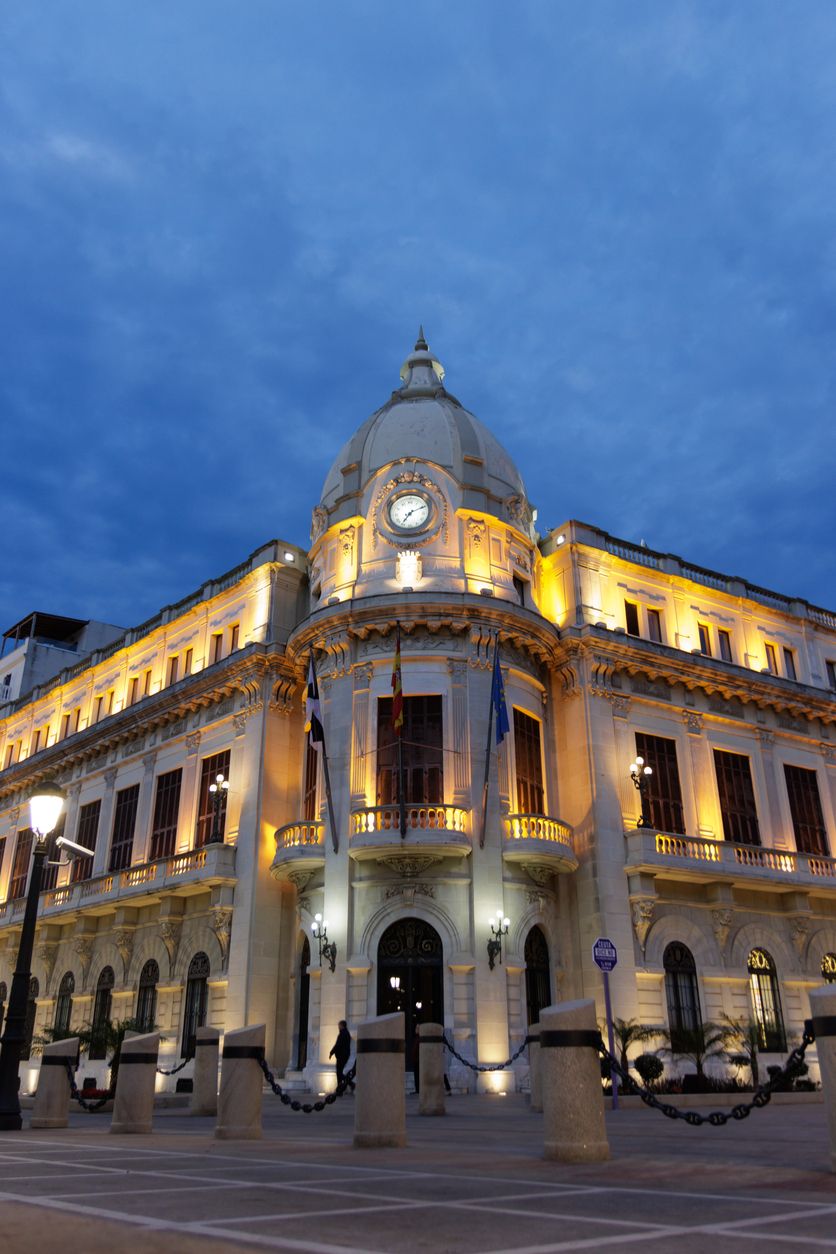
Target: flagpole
x=488, y=753
x=401, y=790
x=330, y=799
x=398, y=693
x=321, y=744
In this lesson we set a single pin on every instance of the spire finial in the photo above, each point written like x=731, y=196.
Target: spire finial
x=421, y=343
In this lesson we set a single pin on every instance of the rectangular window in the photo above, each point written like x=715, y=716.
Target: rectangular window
x=309, y=807
x=10, y=754
x=631, y=618
x=146, y=683
x=705, y=639
x=218, y=764
x=133, y=690
x=654, y=625
x=2, y=853
x=529, y=764
x=771, y=659
x=233, y=638
x=789, y=664
x=806, y=811
x=97, y=709
x=65, y=726
x=36, y=741
x=831, y=674
x=737, y=798
x=423, y=752
x=216, y=646
x=187, y=662
x=86, y=835
x=49, y=868
x=519, y=588
x=20, y=866
x=76, y=718
x=111, y=697
x=663, y=791
x=124, y=821
x=724, y=638
x=173, y=667
x=166, y=810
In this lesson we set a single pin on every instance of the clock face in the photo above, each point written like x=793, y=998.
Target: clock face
x=409, y=512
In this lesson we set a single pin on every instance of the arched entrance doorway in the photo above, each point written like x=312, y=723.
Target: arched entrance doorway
x=410, y=975
x=304, y=1004
x=538, y=976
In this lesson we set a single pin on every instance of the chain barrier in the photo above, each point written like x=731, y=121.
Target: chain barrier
x=174, y=1070
x=495, y=1066
x=307, y=1108
x=717, y=1118
x=90, y=1106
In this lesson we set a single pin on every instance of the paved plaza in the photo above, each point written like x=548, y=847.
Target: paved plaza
x=472, y=1182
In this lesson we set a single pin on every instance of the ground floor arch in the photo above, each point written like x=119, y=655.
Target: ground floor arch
x=410, y=975
x=538, y=975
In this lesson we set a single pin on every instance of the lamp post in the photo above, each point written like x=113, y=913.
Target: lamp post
x=218, y=790
x=499, y=928
x=45, y=808
x=327, y=949
x=640, y=774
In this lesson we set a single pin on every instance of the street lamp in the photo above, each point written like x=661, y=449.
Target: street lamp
x=218, y=790
x=45, y=807
x=327, y=949
x=640, y=775
x=499, y=928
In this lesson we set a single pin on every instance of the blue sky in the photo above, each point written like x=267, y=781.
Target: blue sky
x=223, y=223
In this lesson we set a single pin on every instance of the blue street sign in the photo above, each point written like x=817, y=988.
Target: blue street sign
x=604, y=953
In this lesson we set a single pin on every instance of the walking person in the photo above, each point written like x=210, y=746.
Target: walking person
x=341, y=1052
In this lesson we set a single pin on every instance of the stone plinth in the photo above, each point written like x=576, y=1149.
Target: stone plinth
x=380, y=1105
x=52, y=1099
x=823, y=1007
x=573, y=1105
x=535, y=1101
x=431, y=1069
x=133, y=1106
x=242, y=1080
x=205, y=1083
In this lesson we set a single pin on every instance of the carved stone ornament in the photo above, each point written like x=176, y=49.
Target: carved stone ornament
x=693, y=722
x=47, y=952
x=110, y=777
x=410, y=891
x=193, y=742
x=304, y=905
x=221, y=924
x=408, y=865
x=319, y=522
x=149, y=761
x=124, y=942
x=14, y=815
x=799, y=931
x=828, y=752
x=538, y=900
x=721, y=921
x=540, y=872
x=620, y=706
x=83, y=947
x=457, y=669
x=347, y=535
x=517, y=511
x=643, y=911
x=476, y=530
x=766, y=737
x=239, y=722
x=170, y=930
x=300, y=879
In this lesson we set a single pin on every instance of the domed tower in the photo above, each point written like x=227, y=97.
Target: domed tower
x=424, y=549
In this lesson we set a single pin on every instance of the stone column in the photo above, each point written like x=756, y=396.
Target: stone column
x=102, y=854
x=242, y=1080
x=706, y=806
x=361, y=679
x=133, y=1106
x=460, y=729
x=823, y=1006
x=189, y=789
x=573, y=1105
x=431, y=1069
x=772, y=820
x=536, y=1087
x=52, y=1099
x=205, y=1084
x=380, y=1105
x=142, y=828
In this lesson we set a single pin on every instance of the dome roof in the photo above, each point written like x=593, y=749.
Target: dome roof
x=422, y=421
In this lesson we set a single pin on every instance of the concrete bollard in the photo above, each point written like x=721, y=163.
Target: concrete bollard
x=431, y=1069
x=52, y=1099
x=205, y=1083
x=823, y=1008
x=133, y=1105
x=380, y=1105
x=535, y=1095
x=242, y=1082
x=573, y=1106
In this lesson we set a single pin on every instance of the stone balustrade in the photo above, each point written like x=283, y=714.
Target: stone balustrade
x=298, y=845
x=723, y=859
x=542, y=844
x=436, y=830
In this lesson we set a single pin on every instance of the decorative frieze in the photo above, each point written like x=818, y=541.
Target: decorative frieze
x=692, y=722
x=643, y=910
x=170, y=931
x=124, y=942
x=721, y=922
x=83, y=947
x=220, y=922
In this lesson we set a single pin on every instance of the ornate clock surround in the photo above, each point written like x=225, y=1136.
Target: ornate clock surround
x=384, y=529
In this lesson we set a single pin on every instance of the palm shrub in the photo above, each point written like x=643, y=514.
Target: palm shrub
x=650, y=1068
x=107, y=1037
x=698, y=1045
x=744, y=1035
x=627, y=1032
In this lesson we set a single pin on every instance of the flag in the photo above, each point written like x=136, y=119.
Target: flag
x=397, y=687
x=500, y=709
x=313, y=714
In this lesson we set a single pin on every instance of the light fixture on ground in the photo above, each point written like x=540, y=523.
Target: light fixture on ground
x=327, y=949
x=45, y=808
x=499, y=928
x=640, y=774
x=218, y=791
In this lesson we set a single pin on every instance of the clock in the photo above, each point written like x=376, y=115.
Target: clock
x=409, y=512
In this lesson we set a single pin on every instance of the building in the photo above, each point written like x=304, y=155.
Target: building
x=725, y=902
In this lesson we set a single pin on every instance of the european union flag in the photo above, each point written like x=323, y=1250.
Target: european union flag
x=498, y=699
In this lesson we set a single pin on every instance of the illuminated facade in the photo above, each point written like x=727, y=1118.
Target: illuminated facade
x=725, y=905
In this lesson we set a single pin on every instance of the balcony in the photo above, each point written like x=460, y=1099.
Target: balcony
x=541, y=845
x=181, y=875
x=300, y=848
x=693, y=858
x=433, y=832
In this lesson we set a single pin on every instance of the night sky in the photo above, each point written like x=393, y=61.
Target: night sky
x=222, y=224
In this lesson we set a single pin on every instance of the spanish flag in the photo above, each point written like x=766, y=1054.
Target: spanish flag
x=313, y=713
x=397, y=686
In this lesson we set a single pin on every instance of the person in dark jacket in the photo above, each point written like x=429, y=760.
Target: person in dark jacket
x=342, y=1051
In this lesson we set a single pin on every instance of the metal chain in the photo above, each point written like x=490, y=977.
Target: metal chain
x=90, y=1107
x=307, y=1108
x=762, y=1096
x=174, y=1070
x=496, y=1066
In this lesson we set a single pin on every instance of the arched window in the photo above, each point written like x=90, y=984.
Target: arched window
x=194, y=1015
x=828, y=968
x=101, y=1014
x=146, y=1002
x=538, y=978
x=3, y=996
x=64, y=1004
x=766, y=1001
x=681, y=991
x=29, y=1021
